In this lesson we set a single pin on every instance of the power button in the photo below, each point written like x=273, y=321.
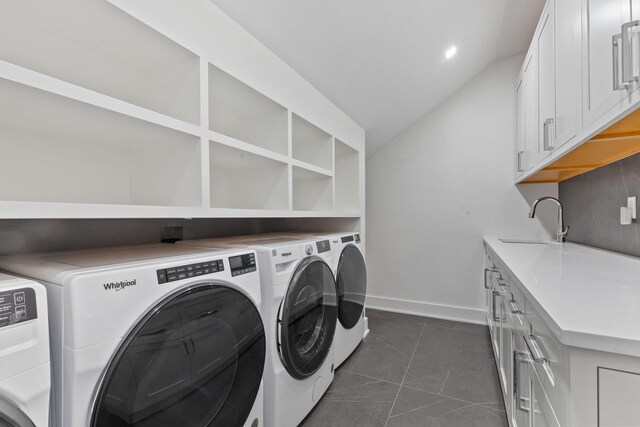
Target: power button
x=18, y=298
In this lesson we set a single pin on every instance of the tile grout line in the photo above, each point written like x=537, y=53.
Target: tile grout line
x=405, y=373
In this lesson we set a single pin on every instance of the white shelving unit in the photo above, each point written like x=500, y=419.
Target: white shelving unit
x=312, y=191
x=102, y=116
x=347, y=178
x=311, y=144
x=60, y=150
x=243, y=113
x=243, y=180
x=95, y=45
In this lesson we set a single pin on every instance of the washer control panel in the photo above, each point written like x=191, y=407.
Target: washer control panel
x=242, y=264
x=17, y=306
x=323, y=246
x=190, y=270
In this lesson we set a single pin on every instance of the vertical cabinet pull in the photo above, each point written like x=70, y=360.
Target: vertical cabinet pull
x=546, y=136
x=486, y=281
x=628, y=75
x=519, y=357
x=520, y=162
x=495, y=294
x=615, y=43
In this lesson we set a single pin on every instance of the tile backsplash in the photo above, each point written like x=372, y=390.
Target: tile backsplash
x=592, y=204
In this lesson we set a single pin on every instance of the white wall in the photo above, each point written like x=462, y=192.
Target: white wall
x=437, y=189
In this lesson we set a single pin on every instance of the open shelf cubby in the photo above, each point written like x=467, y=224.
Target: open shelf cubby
x=347, y=178
x=310, y=143
x=95, y=45
x=241, y=112
x=55, y=149
x=243, y=180
x=311, y=191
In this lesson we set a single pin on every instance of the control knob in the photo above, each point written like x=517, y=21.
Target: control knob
x=308, y=249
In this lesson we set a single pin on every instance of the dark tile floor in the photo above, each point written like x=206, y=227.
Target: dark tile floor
x=415, y=371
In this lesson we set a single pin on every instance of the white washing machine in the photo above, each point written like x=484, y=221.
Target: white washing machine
x=300, y=313
x=155, y=335
x=351, y=283
x=25, y=371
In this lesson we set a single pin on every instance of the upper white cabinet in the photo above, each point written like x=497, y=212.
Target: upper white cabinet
x=526, y=141
x=546, y=82
x=603, y=55
x=548, y=88
x=520, y=124
x=568, y=86
x=588, y=73
x=117, y=109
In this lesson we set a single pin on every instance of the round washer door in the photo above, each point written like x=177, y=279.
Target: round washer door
x=196, y=359
x=308, y=317
x=351, y=283
x=12, y=416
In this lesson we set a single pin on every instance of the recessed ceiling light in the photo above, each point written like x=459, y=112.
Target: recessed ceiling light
x=451, y=52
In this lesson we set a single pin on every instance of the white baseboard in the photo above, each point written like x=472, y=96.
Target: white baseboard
x=439, y=311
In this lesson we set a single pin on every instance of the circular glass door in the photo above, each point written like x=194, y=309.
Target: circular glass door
x=196, y=359
x=351, y=284
x=308, y=318
x=12, y=416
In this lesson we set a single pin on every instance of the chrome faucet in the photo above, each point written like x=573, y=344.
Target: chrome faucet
x=561, y=233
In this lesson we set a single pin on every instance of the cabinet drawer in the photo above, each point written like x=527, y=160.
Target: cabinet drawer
x=553, y=368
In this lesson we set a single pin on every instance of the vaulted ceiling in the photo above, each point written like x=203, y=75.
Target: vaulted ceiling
x=382, y=61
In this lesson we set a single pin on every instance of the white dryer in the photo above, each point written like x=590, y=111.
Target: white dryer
x=25, y=371
x=300, y=313
x=351, y=283
x=155, y=335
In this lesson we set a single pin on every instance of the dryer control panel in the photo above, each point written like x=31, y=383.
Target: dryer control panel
x=17, y=305
x=190, y=270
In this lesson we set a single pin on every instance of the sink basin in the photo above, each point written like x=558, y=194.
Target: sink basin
x=526, y=241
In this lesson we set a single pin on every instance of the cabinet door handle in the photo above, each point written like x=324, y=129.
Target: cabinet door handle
x=519, y=357
x=495, y=294
x=627, y=54
x=520, y=162
x=514, y=308
x=615, y=43
x=486, y=282
x=546, y=137
x=534, y=349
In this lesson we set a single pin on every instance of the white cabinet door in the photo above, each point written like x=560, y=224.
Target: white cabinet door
x=520, y=398
x=496, y=323
x=546, y=83
x=506, y=360
x=531, y=108
x=520, y=149
x=601, y=20
x=568, y=85
x=542, y=414
x=618, y=393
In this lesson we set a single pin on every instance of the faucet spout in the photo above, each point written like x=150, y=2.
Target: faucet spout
x=561, y=232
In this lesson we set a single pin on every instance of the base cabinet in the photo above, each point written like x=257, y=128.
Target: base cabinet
x=546, y=383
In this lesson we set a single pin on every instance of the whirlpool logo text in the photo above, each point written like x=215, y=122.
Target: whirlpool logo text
x=118, y=286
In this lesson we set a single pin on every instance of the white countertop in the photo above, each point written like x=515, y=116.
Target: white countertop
x=588, y=297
